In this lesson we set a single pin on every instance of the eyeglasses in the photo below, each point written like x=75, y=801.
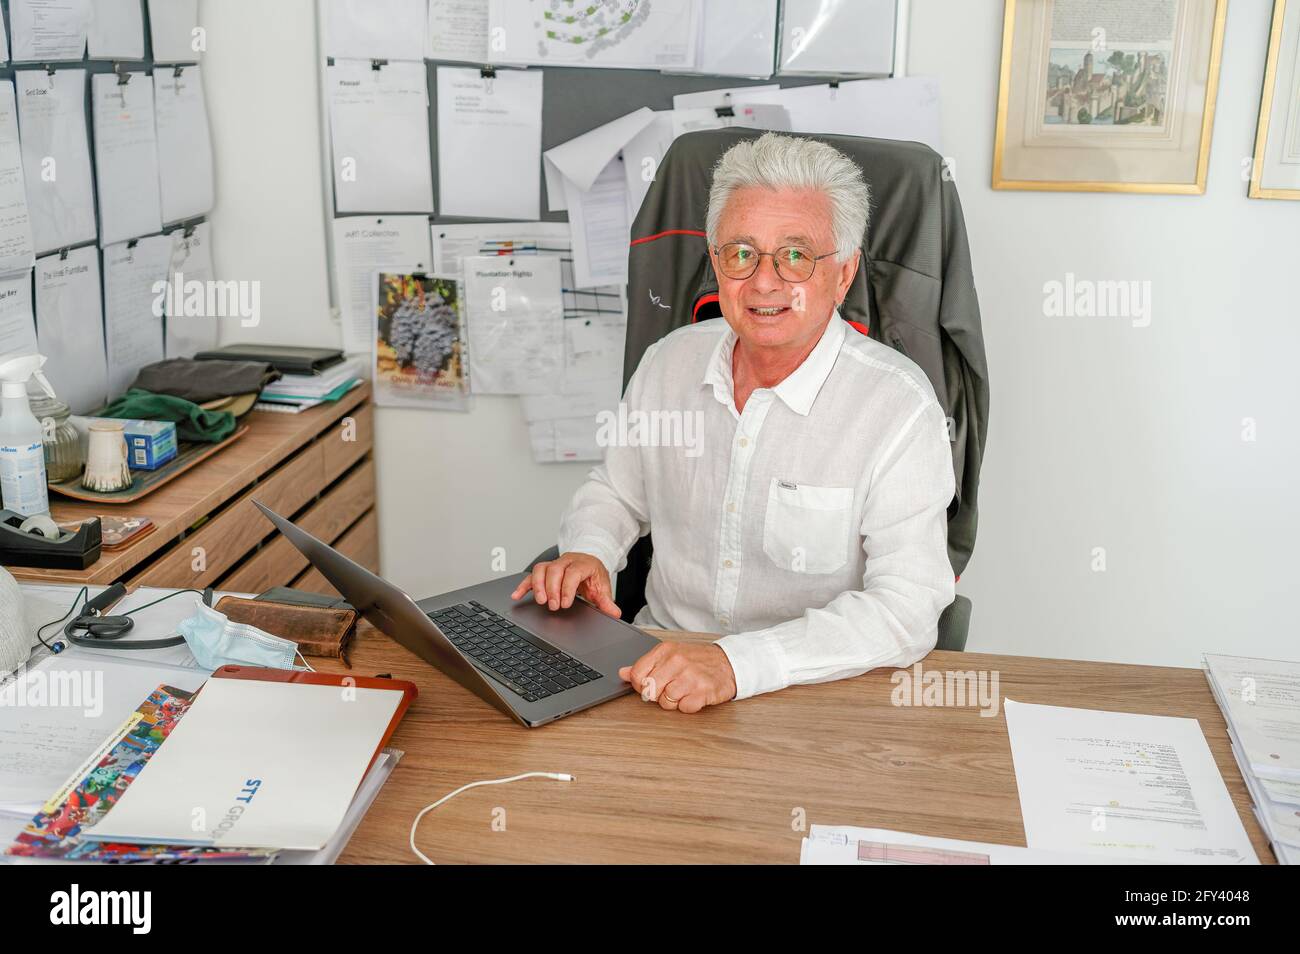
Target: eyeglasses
x=793, y=263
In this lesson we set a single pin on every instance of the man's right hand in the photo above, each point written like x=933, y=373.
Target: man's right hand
x=554, y=583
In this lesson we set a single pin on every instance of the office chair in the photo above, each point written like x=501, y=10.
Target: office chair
x=914, y=292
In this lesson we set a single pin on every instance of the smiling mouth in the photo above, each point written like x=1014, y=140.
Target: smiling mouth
x=768, y=311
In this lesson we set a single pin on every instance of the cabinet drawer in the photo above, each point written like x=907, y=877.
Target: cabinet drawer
x=240, y=527
x=361, y=543
x=278, y=561
x=347, y=441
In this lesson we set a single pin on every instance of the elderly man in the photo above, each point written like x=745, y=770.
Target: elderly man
x=809, y=524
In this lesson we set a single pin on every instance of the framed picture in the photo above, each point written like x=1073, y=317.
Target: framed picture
x=1098, y=96
x=1275, y=168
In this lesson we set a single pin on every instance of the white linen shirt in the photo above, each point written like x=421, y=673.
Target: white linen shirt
x=811, y=527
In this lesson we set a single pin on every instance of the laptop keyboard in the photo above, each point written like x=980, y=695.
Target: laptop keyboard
x=528, y=666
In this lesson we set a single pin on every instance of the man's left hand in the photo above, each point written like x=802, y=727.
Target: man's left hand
x=683, y=676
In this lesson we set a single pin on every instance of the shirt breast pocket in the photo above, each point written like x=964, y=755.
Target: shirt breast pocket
x=807, y=528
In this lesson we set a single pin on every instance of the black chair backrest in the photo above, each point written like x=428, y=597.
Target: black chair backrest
x=896, y=297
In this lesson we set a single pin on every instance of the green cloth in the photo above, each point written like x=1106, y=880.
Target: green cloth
x=192, y=422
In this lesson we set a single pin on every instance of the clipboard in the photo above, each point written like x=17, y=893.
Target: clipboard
x=408, y=689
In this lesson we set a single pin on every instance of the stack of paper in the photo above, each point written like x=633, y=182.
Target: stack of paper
x=1260, y=700
x=297, y=392
x=299, y=750
x=62, y=826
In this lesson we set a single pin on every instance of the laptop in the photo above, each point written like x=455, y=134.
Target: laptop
x=534, y=664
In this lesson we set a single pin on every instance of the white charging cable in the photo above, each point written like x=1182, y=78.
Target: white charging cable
x=557, y=776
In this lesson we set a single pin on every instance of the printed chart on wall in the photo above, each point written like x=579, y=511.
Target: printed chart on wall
x=631, y=34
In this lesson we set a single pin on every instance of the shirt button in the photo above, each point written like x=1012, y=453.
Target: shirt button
x=724, y=621
x=726, y=563
x=744, y=442
x=731, y=508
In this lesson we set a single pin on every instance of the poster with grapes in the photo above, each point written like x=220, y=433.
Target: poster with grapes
x=419, y=343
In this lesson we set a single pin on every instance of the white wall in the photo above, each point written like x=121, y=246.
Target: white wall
x=1102, y=434
x=1107, y=435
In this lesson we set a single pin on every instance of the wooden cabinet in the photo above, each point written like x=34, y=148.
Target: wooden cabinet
x=316, y=468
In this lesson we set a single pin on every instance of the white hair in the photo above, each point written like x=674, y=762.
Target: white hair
x=794, y=162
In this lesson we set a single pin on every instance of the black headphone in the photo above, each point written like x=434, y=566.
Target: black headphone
x=91, y=630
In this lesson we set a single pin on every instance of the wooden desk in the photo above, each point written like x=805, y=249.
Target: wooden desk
x=315, y=466
x=722, y=785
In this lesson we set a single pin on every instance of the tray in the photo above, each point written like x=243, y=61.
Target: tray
x=145, y=482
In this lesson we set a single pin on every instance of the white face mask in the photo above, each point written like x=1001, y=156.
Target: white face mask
x=215, y=642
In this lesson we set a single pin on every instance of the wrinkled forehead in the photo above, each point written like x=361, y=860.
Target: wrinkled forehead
x=768, y=218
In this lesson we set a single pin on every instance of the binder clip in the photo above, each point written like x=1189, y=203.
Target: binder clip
x=378, y=65
x=488, y=74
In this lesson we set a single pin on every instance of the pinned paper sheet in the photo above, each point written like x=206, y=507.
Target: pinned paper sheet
x=737, y=38
x=458, y=31
x=16, y=243
x=56, y=157
x=376, y=29
x=184, y=144
x=379, y=131
x=174, y=31
x=116, y=30
x=70, y=327
x=847, y=37
x=582, y=159
x=126, y=157
x=49, y=30
x=364, y=246
x=188, y=327
x=133, y=307
x=17, y=323
x=657, y=36
x=489, y=143
x=600, y=221
x=514, y=316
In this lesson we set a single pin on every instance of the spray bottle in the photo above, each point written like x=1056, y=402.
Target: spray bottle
x=22, y=449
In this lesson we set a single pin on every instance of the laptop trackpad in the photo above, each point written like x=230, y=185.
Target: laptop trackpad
x=578, y=630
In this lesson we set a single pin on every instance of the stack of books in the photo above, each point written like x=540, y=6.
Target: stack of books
x=1260, y=700
x=297, y=392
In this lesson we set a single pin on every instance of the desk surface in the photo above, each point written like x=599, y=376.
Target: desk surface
x=723, y=785
x=177, y=505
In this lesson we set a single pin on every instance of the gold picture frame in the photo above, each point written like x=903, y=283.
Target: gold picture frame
x=1162, y=148
x=1273, y=71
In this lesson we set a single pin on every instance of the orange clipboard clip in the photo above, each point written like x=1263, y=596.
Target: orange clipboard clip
x=407, y=689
